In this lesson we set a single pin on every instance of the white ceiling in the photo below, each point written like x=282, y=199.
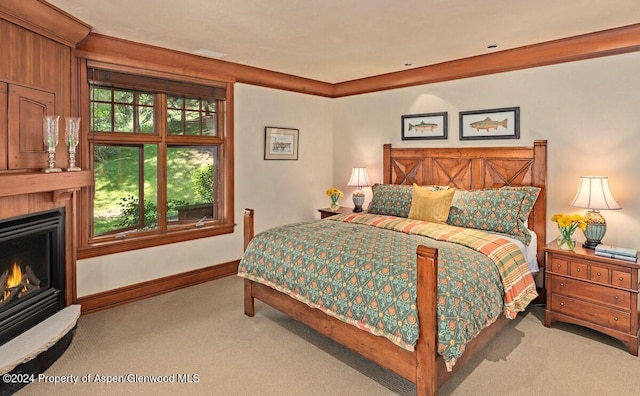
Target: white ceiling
x=340, y=40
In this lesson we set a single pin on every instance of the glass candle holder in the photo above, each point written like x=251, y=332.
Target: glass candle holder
x=71, y=136
x=50, y=137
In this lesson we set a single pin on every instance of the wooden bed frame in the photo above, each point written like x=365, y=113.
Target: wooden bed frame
x=465, y=168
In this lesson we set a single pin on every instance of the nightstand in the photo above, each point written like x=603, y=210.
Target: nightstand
x=592, y=291
x=326, y=212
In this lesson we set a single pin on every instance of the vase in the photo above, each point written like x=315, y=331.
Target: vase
x=334, y=204
x=566, y=243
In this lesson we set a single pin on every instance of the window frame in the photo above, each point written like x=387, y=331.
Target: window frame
x=166, y=233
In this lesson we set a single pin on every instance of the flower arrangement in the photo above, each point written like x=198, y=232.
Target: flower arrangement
x=567, y=225
x=334, y=194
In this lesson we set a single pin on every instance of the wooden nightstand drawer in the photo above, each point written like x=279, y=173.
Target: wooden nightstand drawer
x=559, y=265
x=621, y=279
x=593, y=313
x=599, y=274
x=579, y=269
x=614, y=298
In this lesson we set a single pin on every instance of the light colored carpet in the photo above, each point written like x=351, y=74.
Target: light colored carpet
x=202, y=331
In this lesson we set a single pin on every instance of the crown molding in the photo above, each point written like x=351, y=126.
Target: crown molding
x=46, y=20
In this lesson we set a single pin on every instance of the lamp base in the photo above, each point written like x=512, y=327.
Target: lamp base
x=590, y=244
x=358, y=200
x=595, y=230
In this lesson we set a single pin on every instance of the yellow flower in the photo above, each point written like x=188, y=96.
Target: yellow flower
x=567, y=224
x=334, y=191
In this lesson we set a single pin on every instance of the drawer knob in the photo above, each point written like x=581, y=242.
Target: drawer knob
x=616, y=297
x=561, y=283
x=599, y=274
x=620, y=279
x=615, y=318
x=577, y=269
x=559, y=266
x=562, y=304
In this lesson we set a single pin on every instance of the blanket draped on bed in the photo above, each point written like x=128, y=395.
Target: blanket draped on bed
x=362, y=269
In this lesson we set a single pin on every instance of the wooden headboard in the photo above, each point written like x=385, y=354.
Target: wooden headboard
x=474, y=168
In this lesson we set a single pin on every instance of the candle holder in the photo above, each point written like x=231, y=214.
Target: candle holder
x=71, y=135
x=50, y=135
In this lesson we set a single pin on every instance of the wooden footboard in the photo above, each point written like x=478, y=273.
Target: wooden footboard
x=422, y=367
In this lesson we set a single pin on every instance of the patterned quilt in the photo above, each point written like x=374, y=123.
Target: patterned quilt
x=361, y=269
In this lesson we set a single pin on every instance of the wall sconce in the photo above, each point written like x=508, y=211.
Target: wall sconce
x=359, y=179
x=594, y=194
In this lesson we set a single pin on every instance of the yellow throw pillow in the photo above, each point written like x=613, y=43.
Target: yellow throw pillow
x=429, y=205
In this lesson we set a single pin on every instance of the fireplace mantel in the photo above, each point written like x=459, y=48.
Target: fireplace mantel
x=36, y=182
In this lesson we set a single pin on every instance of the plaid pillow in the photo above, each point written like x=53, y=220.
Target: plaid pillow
x=496, y=210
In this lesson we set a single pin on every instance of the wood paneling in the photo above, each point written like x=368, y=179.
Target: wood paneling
x=26, y=108
x=36, y=41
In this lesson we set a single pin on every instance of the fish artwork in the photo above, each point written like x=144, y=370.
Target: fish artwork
x=488, y=124
x=423, y=127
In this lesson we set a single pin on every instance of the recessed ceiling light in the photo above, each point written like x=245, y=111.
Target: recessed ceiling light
x=210, y=53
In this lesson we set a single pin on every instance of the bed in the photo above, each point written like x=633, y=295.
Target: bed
x=473, y=170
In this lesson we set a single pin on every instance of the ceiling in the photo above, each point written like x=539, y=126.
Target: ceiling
x=340, y=40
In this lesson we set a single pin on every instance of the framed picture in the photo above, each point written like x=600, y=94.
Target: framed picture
x=280, y=143
x=490, y=124
x=424, y=126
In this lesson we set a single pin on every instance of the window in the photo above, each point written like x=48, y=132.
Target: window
x=161, y=158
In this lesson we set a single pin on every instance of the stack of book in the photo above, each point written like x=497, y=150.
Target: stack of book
x=616, y=252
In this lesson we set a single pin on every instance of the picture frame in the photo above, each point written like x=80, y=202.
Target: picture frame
x=280, y=143
x=490, y=124
x=427, y=126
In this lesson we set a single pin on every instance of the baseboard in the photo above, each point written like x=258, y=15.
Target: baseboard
x=124, y=295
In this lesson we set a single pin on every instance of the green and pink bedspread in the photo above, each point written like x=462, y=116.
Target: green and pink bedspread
x=361, y=269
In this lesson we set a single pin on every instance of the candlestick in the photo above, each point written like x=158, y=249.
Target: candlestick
x=50, y=138
x=72, y=132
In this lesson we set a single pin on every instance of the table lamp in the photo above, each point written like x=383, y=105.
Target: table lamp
x=359, y=179
x=594, y=194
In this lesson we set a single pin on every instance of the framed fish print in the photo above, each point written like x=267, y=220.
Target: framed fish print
x=280, y=143
x=490, y=124
x=424, y=126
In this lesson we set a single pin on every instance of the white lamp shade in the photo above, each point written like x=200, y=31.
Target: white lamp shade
x=594, y=193
x=359, y=178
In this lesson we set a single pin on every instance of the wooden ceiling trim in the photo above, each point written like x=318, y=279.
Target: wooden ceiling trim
x=593, y=45
x=106, y=49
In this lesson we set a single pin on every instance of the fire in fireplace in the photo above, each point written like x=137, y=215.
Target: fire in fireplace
x=16, y=285
x=31, y=271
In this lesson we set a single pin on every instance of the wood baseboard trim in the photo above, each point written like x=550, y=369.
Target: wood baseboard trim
x=124, y=295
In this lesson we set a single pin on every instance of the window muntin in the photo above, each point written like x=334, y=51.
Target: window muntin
x=120, y=110
x=191, y=116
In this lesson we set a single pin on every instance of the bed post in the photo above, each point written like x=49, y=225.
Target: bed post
x=386, y=164
x=539, y=176
x=427, y=297
x=249, y=304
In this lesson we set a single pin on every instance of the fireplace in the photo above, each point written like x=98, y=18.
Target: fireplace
x=32, y=270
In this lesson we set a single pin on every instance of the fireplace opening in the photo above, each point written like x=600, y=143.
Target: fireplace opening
x=32, y=268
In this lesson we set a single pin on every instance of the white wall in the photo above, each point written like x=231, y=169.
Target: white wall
x=279, y=191
x=588, y=111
